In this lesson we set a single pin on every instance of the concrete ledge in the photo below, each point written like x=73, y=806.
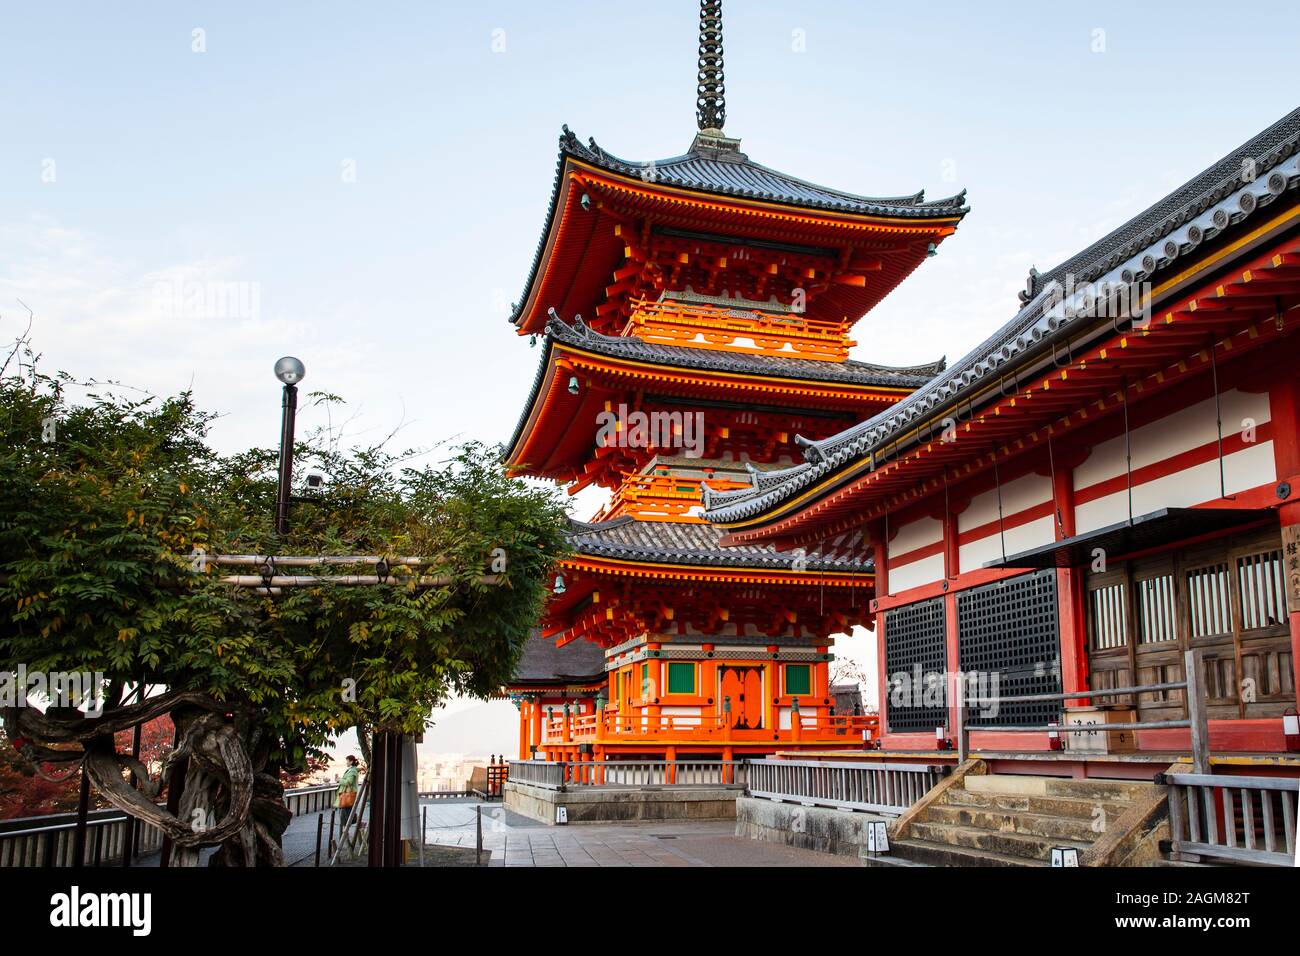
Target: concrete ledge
x=596, y=805
x=843, y=832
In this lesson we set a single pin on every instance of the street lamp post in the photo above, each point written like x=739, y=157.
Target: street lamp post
x=290, y=371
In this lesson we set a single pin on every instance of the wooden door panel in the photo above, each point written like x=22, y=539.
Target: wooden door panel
x=1111, y=669
x=754, y=698
x=1268, y=677
x=731, y=689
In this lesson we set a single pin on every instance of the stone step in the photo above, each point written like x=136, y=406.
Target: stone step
x=1075, y=807
x=925, y=853
x=888, y=859
x=1031, y=786
x=1006, y=844
x=1051, y=827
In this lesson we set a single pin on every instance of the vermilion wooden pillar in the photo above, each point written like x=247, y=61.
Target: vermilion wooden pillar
x=881, y=558
x=523, y=730
x=1069, y=588
x=1284, y=411
x=950, y=644
x=951, y=568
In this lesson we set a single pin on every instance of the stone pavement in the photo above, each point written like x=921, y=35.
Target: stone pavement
x=518, y=841
x=515, y=840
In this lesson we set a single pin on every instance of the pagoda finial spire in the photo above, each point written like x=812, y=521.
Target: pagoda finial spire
x=711, y=101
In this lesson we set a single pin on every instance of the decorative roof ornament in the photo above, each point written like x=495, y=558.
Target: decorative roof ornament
x=711, y=101
x=1030, y=290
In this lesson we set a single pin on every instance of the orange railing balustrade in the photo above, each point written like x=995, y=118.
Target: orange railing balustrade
x=662, y=496
x=642, y=726
x=732, y=330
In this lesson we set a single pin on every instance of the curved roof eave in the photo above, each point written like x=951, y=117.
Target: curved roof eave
x=746, y=181
x=1201, y=210
x=695, y=545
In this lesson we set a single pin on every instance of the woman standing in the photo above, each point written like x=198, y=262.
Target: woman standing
x=346, y=797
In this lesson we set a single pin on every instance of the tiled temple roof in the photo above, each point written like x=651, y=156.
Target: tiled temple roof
x=722, y=169
x=690, y=543
x=1201, y=211
x=848, y=372
x=726, y=171
x=543, y=661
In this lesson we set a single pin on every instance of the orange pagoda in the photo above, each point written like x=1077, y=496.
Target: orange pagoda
x=694, y=315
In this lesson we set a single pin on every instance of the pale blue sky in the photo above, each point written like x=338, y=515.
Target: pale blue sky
x=227, y=167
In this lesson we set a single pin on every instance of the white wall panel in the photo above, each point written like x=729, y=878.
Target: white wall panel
x=916, y=573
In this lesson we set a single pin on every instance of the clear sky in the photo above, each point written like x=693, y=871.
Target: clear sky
x=365, y=184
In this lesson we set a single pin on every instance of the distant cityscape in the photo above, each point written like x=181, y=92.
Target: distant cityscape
x=436, y=773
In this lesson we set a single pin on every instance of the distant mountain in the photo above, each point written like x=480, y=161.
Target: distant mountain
x=489, y=728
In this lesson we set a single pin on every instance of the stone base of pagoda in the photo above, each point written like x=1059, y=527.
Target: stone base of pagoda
x=596, y=805
x=813, y=828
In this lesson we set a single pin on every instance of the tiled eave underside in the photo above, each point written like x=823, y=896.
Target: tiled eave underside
x=817, y=395
x=811, y=223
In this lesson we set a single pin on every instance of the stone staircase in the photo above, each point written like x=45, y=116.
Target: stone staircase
x=1010, y=820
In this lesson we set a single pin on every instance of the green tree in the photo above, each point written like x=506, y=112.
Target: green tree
x=107, y=506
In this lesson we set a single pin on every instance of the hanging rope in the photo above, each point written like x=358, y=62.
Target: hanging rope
x=947, y=527
x=997, y=481
x=1128, y=448
x=1218, y=418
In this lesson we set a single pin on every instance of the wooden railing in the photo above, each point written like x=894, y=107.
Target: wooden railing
x=548, y=774
x=638, y=774
x=667, y=497
x=305, y=800
x=793, y=335
x=839, y=725
x=888, y=788
x=51, y=840
x=615, y=725
x=1192, y=685
x=1242, y=819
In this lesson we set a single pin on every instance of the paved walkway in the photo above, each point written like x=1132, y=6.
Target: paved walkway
x=519, y=841
x=515, y=840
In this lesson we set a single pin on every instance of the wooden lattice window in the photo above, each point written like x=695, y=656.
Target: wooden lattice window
x=798, y=680
x=1209, y=598
x=1108, y=613
x=1225, y=598
x=681, y=678
x=1156, y=608
x=1259, y=582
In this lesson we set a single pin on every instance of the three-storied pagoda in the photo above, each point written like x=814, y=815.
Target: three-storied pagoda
x=695, y=315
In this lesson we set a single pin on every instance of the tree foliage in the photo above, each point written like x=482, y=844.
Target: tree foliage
x=104, y=505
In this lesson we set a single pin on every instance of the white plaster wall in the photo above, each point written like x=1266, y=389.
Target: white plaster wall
x=1251, y=466
x=917, y=533
x=1178, y=432
x=916, y=573
x=1033, y=534
x=1017, y=495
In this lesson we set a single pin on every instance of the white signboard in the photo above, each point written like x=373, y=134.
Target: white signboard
x=1065, y=856
x=1291, y=565
x=877, y=837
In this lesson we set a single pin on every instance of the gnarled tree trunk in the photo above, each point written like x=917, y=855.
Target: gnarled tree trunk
x=231, y=800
